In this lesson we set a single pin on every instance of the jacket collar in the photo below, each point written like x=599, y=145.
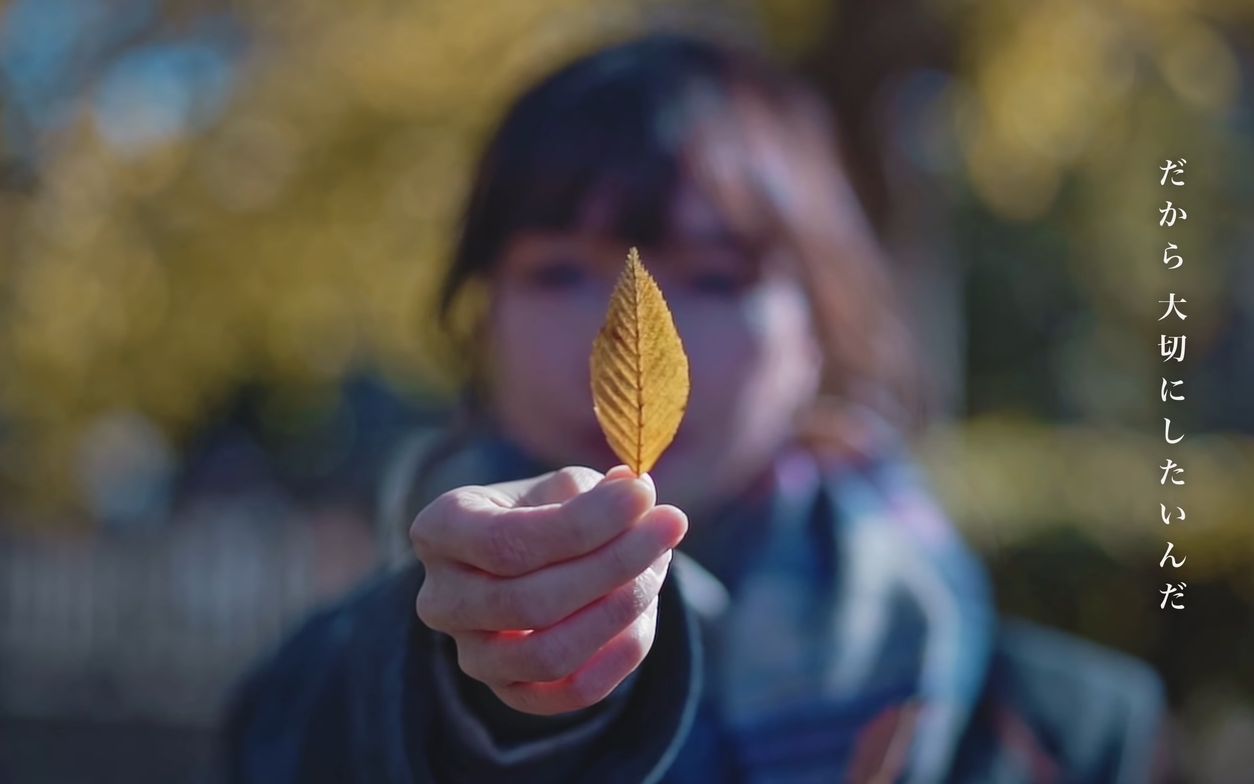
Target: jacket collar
x=884, y=538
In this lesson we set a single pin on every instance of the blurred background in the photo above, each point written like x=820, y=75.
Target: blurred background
x=220, y=221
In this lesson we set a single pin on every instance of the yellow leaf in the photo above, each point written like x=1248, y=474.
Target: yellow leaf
x=639, y=370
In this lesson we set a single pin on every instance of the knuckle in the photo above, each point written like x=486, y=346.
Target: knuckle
x=420, y=534
x=533, y=614
x=435, y=516
x=504, y=551
x=427, y=607
x=550, y=659
x=419, y=539
x=577, y=479
x=507, y=607
x=444, y=602
x=620, y=558
x=625, y=604
x=454, y=506
x=424, y=549
x=446, y=505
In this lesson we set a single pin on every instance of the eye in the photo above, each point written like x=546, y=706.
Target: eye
x=556, y=275
x=718, y=284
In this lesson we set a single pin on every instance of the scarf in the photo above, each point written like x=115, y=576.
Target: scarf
x=833, y=593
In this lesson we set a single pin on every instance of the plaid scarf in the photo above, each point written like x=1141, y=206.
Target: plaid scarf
x=846, y=627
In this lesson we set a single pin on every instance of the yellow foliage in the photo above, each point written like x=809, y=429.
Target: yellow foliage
x=298, y=238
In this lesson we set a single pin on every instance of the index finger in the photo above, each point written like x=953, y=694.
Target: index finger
x=477, y=525
x=556, y=486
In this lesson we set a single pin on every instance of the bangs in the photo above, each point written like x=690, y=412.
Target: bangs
x=603, y=161
x=608, y=149
x=616, y=165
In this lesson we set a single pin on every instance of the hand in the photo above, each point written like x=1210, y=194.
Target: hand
x=548, y=585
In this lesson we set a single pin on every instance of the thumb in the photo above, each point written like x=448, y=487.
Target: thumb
x=621, y=471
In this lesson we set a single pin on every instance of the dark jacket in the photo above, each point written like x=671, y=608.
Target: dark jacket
x=828, y=626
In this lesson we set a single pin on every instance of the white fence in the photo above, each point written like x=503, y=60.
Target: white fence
x=155, y=626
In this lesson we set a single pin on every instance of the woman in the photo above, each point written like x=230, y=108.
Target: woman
x=822, y=620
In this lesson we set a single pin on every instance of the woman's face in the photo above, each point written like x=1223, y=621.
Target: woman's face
x=744, y=322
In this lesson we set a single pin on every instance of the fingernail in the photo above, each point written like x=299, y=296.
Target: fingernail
x=646, y=476
x=618, y=471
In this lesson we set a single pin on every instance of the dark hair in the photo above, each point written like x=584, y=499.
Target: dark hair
x=623, y=127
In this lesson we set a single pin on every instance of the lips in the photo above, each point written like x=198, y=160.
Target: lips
x=593, y=444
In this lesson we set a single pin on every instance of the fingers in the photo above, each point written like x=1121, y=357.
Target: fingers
x=564, y=484
x=551, y=488
x=558, y=651
x=477, y=525
x=549, y=585
x=555, y=486
x=454, y=598
x=594, y=681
